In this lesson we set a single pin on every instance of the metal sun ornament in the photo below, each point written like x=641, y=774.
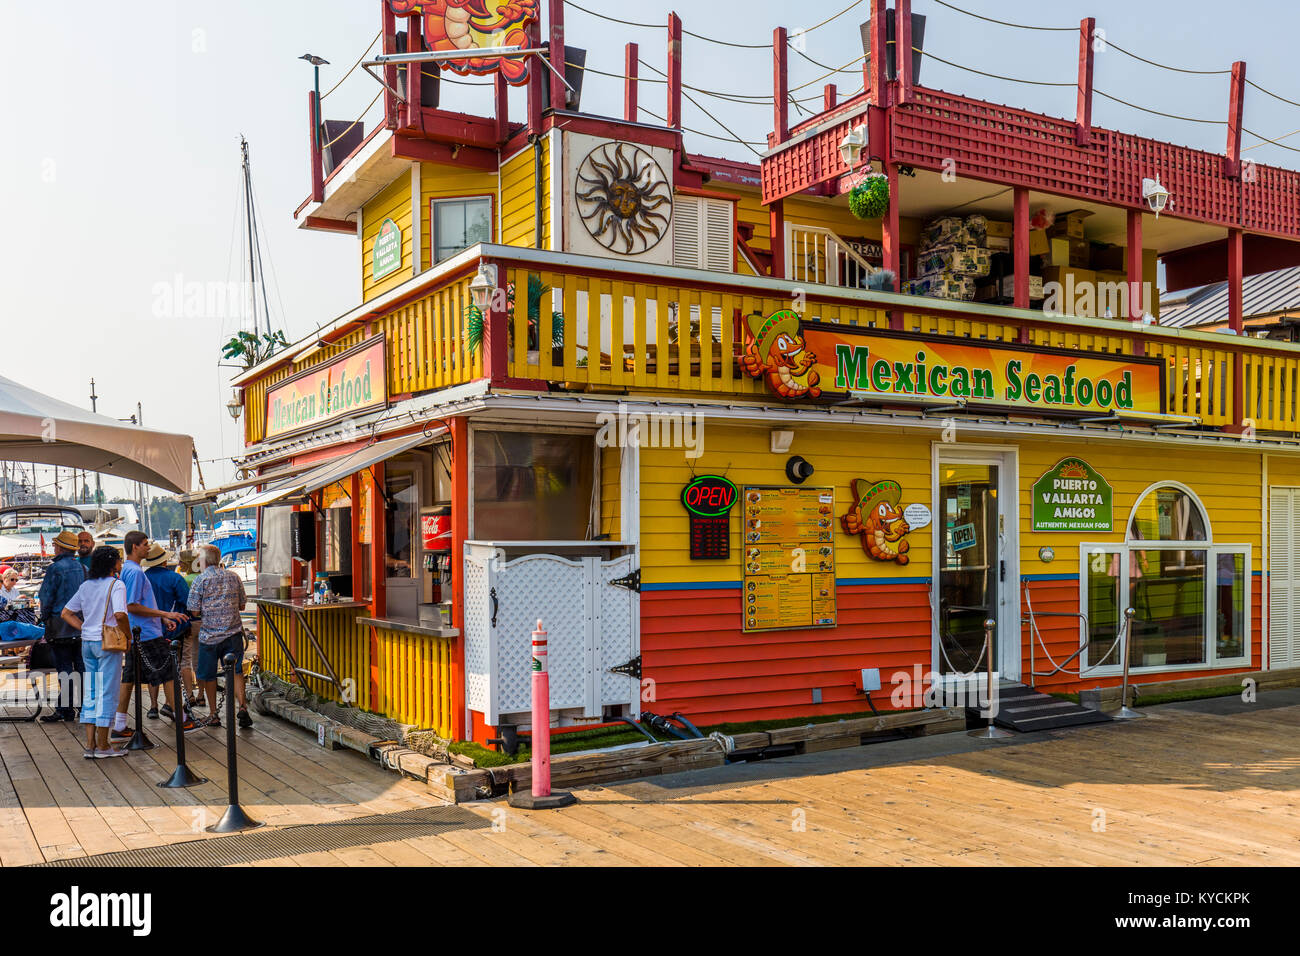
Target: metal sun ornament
x=624, y=198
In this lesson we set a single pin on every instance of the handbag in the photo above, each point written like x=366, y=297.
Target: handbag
x=114, y=640
x=41, y=657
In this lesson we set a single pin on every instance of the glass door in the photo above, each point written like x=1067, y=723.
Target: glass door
x=970, y=564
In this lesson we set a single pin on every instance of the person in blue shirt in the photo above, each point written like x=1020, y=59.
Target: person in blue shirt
x=61, y=581
x=156, y=663
x=172, y=593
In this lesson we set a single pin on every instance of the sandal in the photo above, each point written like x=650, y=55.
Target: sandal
x=212, y=721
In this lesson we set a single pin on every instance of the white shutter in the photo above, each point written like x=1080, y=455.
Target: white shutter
x=704, y=233
x=719, y=235
x=1284, y=578
x=686, y=231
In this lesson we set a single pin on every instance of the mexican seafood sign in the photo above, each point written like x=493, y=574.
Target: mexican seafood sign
x=348, y=384
x=472, y=25
x=808, y=360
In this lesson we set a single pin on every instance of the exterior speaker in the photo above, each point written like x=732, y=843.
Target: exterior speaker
x=303, y=535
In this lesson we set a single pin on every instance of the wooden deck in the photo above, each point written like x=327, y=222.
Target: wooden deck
x=1180, y=788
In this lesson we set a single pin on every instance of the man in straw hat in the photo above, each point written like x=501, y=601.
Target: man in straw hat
x=171, y=591
x=62, y=579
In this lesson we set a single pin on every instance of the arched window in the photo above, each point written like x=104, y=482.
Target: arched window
x=1190, y=594
x=1168, y=512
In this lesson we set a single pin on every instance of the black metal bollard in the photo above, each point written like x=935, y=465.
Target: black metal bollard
x=139, y=740
x=182, y=776
x=234, y=819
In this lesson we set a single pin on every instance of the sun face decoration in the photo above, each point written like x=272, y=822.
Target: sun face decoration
x=624, y=198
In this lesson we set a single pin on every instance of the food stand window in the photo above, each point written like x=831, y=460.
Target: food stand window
x=274, y=560
x=414, y=484
x=531, y=486
x=1191, y=596
x=336, y=536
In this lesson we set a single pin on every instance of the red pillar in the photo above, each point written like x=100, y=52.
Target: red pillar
x=496, y=341
x=459, y=533
x=674, y=71
x=776, y=223
x=1083, y=111
x=1236, y=98
x=1133, y=258
x=631, y=64
x=559, y=99
x=879, y=53
x=1236, y=319
x=535, y=72
x=501, y=91
x=830, y=96
x=414, y=73
x=780, y=85
x=889, y=236
x=903, y=48
x=1020, y=246
x=389, y=45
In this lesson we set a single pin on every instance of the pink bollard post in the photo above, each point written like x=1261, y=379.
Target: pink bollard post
x=540, y=796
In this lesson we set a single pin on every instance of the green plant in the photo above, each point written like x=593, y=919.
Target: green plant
x=869, y=199
x=474, y=329
x=252, y=350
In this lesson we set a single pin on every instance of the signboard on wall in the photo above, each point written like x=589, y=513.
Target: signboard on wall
x=473, y=27
x=387, y=255
x=1072, y=496
x=709, y=499
x=806, y=360
x=788, y=558
x=352, y=382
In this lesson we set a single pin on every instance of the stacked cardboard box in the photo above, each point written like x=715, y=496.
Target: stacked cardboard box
x=953, y=253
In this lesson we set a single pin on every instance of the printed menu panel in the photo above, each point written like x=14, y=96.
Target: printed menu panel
x=788, y=557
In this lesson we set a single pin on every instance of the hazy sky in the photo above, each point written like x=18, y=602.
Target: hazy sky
x=120, y=166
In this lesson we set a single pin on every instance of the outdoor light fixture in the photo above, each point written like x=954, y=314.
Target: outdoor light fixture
x=798, y=469
x=235, y=406
x=1155, y=195
x=483, y=284
x=316, y=62
x=852, y=145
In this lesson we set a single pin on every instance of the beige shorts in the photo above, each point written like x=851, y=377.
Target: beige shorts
x=190, y=651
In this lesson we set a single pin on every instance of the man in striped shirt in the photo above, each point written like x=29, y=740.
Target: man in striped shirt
x=216, y=598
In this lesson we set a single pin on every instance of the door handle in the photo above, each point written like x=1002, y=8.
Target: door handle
x=1002, y=570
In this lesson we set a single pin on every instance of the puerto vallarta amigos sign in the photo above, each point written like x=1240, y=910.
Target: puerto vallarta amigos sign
x=1072, y=496
x=387, y=257
x=352, y=382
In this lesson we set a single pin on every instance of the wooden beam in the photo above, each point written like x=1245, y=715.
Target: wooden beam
x=534, y=84
x=776, y=224
x=631, y=70
x=903, y=48
x=780, y=85
x=1083, y=109
x=1236, y=105
x=325, y=224
x=459, y=534
x=879, y=53
x=1020, y=246
x=428, y=151
x=830, y=96
x=559, y=98
x=1133, y=259
x=389, y=45
x=1236, y=274
x=891, y=238
x=496, y=331
x=415, y=72
x=674, y=71
x=501, y=94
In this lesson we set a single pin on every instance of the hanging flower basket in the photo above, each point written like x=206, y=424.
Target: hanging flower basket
x=869, y=199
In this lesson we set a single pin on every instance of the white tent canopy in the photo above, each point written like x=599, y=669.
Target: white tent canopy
x=43, y=430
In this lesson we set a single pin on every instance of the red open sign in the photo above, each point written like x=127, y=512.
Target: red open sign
x=709, y=496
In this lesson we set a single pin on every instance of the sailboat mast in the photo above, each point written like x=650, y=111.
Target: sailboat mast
x=248, y=219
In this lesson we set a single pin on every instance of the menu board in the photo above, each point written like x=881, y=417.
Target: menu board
x=788, y=557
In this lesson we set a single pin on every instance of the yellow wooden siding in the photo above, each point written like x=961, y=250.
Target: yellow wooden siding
x=610, y=492
x=743, y=454
x=415, y=680
x=394, y=203
x=445, y=182
x=343, y=641
x=518, y=198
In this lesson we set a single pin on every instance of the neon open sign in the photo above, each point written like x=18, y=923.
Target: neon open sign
x=709, y=496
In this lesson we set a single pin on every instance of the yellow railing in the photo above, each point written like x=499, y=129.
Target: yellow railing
x=415, y=679
x=602, y=325
x=344, y=642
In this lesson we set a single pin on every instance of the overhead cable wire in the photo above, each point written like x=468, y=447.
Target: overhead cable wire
x=739, y=46
x=843, y=69
x=721, y=124
x=834, y=16
x=1174, y=69
x=996, y=76
x=355, y=121
x=1272, y=94
x=626, y=23
x=686, y=129
x=1008, y=23
x=1272, y=142
x=354, y=65
x=1189, y=119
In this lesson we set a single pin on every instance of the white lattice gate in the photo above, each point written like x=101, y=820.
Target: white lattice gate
x=591, y=623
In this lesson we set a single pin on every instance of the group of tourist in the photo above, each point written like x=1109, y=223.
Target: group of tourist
x=140, y=591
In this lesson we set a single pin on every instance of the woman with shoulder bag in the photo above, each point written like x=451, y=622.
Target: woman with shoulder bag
x=105, y=638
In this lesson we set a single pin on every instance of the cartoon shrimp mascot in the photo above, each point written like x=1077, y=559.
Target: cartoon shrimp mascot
x=877, y=517
x=452, y=25
x=775, y=348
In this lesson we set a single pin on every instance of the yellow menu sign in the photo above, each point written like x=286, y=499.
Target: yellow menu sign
x=788, y=557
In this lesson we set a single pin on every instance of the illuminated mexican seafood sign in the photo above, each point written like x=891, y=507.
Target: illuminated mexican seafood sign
x=352, y=382
x=806, y=360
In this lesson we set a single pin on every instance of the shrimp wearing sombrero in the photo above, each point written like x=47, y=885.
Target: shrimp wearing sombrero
x=876, y=517
x=774, y=347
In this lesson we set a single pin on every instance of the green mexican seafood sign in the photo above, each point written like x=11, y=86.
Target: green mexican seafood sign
x=1073, y=497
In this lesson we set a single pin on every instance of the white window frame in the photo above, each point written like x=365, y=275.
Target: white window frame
x=1213, y=549
x=702, y=246
x=433, y=221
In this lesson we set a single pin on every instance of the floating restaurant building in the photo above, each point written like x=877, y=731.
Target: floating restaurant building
x=754, y=440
